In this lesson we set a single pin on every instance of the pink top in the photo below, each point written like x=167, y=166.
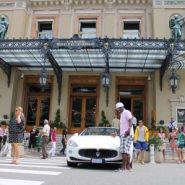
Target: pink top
x=53, y=136
x=124, y=121
x=1, y=132
x=173, y=139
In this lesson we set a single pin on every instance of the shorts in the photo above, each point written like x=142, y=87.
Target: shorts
x=141, y=145
x=181, y=146
x=125, y=144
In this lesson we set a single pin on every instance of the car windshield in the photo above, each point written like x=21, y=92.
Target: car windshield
x=99, y=131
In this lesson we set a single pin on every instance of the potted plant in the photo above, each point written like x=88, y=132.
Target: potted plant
x=57, y=122
x=157, y=143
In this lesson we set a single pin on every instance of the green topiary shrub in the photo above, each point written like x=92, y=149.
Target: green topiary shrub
x=57, y=122
x=104, y=122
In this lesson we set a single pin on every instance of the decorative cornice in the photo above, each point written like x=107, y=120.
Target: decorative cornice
x=67, y=3
x=14, y=4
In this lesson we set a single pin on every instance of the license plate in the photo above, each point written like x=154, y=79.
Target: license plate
x=97, y=161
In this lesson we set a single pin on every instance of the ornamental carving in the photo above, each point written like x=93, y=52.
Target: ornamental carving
x=176, y=103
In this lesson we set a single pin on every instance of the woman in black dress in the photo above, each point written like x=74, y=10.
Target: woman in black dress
x=16, y=133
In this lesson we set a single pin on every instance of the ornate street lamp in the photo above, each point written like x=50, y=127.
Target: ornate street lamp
x=173, y=81
x=105, y=79
x=43, y=72
x=105, y=82
x=43, y=78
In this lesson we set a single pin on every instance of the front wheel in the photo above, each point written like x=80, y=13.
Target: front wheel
x=72, y=164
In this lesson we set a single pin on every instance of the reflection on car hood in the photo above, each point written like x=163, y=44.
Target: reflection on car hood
x=96, y=141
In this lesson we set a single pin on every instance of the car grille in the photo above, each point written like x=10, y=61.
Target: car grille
x=94, y=153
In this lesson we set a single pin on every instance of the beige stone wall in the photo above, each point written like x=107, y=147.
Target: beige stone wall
x=163, y=107
x=109, y=21
x=155, y=24
x=65, y=29
x=8, y=14
x=18, y=20
x=109, y=26
x=7, y=94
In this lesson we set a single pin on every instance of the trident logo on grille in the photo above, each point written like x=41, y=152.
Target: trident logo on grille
x=97, y=154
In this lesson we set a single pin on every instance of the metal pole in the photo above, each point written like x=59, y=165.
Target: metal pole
x=152, y=154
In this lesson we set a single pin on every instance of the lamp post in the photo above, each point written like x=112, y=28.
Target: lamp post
x=43, y=72
x=105, y=82
x=173, y=81
x=105, y=77
x=43, y=78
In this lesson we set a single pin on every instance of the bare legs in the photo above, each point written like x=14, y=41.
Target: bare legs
x=172, y=153
x=15, y=153
x=126, y=161
x=163, y=151
x=140, y=156
x=180, y=155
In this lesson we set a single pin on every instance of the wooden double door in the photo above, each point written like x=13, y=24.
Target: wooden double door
x=38, y=108
x=37, y=101
x=83, y=112
x=132, y=91
x=83, y=106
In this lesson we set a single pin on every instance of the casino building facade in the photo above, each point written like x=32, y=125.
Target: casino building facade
x=93, y=53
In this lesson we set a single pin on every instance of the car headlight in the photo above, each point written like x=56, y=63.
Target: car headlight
x=72, y=143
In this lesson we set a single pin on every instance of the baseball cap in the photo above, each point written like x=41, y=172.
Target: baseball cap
x=119, y=104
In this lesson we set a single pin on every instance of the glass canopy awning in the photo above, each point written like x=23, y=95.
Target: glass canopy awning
x=95, y=55
x=89, y=54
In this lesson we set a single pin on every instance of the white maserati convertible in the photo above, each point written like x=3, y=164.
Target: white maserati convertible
x=97, y=145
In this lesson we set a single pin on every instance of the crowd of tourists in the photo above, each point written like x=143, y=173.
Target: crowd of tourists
x=140, y=138
x=133, y=135
x=12, y=137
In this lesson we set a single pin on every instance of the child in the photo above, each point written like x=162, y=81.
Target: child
x=180, y=144
x=38, y=141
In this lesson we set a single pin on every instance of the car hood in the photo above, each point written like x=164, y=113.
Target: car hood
x=97, y=141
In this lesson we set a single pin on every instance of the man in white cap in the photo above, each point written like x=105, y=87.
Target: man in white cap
x=125, y=137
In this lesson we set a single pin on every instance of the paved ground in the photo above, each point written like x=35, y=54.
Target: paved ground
x=35, y=171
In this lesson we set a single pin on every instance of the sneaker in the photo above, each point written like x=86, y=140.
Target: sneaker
x=120, y=170
x=142, y=162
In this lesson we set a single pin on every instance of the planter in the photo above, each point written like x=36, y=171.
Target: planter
x=158, y=156
x=147, y=157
